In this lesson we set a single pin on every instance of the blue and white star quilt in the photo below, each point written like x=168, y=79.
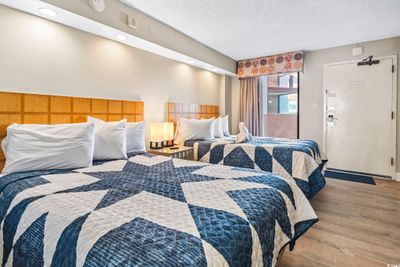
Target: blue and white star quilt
x=149, y=211
x=296, y=159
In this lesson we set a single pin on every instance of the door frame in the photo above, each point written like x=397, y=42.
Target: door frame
x=394, y=106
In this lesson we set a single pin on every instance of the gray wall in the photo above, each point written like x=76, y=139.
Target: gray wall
x=39, y=56
x=311, y=85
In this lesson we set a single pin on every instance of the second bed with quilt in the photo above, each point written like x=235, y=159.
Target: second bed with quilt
x=293, y=159
x=298, y=160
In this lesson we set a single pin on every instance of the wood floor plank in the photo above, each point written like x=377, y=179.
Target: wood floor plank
x=359, y=226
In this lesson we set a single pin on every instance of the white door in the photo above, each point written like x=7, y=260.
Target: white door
x=360, y=130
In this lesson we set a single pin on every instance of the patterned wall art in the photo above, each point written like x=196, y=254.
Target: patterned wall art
x=283, y=63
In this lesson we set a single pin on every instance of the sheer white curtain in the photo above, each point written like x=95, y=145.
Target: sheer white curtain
x=251, y=104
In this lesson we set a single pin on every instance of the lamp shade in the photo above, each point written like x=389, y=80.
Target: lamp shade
x=157, y=132
x=168, y=131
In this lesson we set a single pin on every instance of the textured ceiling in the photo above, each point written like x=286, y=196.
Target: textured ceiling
x=251, y=28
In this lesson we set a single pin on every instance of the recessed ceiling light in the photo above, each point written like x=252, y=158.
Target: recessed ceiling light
x=48, y=12
x=120, y=37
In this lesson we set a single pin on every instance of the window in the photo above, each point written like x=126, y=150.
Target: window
x=287, y=104
x=281, y=105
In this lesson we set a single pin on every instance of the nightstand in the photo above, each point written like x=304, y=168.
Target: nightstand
x=183, y=152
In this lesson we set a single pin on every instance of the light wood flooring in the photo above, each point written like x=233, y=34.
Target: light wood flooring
x=359, y=226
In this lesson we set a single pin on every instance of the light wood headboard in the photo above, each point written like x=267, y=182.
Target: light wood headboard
x=46, y=109
x=191, y=111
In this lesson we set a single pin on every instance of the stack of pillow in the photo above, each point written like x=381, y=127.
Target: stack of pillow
x=30, y=147
x=204, y=129
x=115, y=140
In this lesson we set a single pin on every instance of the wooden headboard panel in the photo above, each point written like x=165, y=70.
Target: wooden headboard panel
x=191, y=111
x=46, y=109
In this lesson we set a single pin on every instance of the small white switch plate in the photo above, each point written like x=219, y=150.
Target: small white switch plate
x=357, y=51
x=314, y=105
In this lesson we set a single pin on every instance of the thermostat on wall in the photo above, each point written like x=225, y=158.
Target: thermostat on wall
x=97, y=5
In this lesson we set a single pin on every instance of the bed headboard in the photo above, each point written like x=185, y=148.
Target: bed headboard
x=191, y=111
x=47, y=109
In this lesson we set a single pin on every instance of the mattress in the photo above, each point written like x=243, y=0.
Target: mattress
x=150, y=211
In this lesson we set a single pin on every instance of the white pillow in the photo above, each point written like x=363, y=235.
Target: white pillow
x=218, y=130
x=135, y=136
x=110, y=139
x=225, y=125
x=32, y=147
x=194, y=129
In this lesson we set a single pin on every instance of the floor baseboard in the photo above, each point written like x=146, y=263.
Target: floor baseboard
x=398, y=176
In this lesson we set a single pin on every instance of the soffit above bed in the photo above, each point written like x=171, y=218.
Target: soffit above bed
x=255, y=28
x=151, y=35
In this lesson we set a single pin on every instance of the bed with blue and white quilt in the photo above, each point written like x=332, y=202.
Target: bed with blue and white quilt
x=149, y=211
x=296, y=159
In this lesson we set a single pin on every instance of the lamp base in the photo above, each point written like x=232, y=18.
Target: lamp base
x=169, y=143
x=156, y=145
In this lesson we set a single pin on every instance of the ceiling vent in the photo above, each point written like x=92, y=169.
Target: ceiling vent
x=132, y=22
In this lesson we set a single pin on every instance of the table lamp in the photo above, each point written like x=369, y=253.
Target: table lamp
x=156, y=135
x=168, y=134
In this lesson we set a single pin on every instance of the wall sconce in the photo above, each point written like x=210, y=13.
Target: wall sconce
x=168, y=134
x=156, y=135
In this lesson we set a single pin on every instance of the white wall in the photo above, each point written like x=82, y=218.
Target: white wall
x=311, y=85
x=39, y=56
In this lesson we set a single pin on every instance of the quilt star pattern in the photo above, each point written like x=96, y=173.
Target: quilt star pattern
x=149, y=211
x=296, y=159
